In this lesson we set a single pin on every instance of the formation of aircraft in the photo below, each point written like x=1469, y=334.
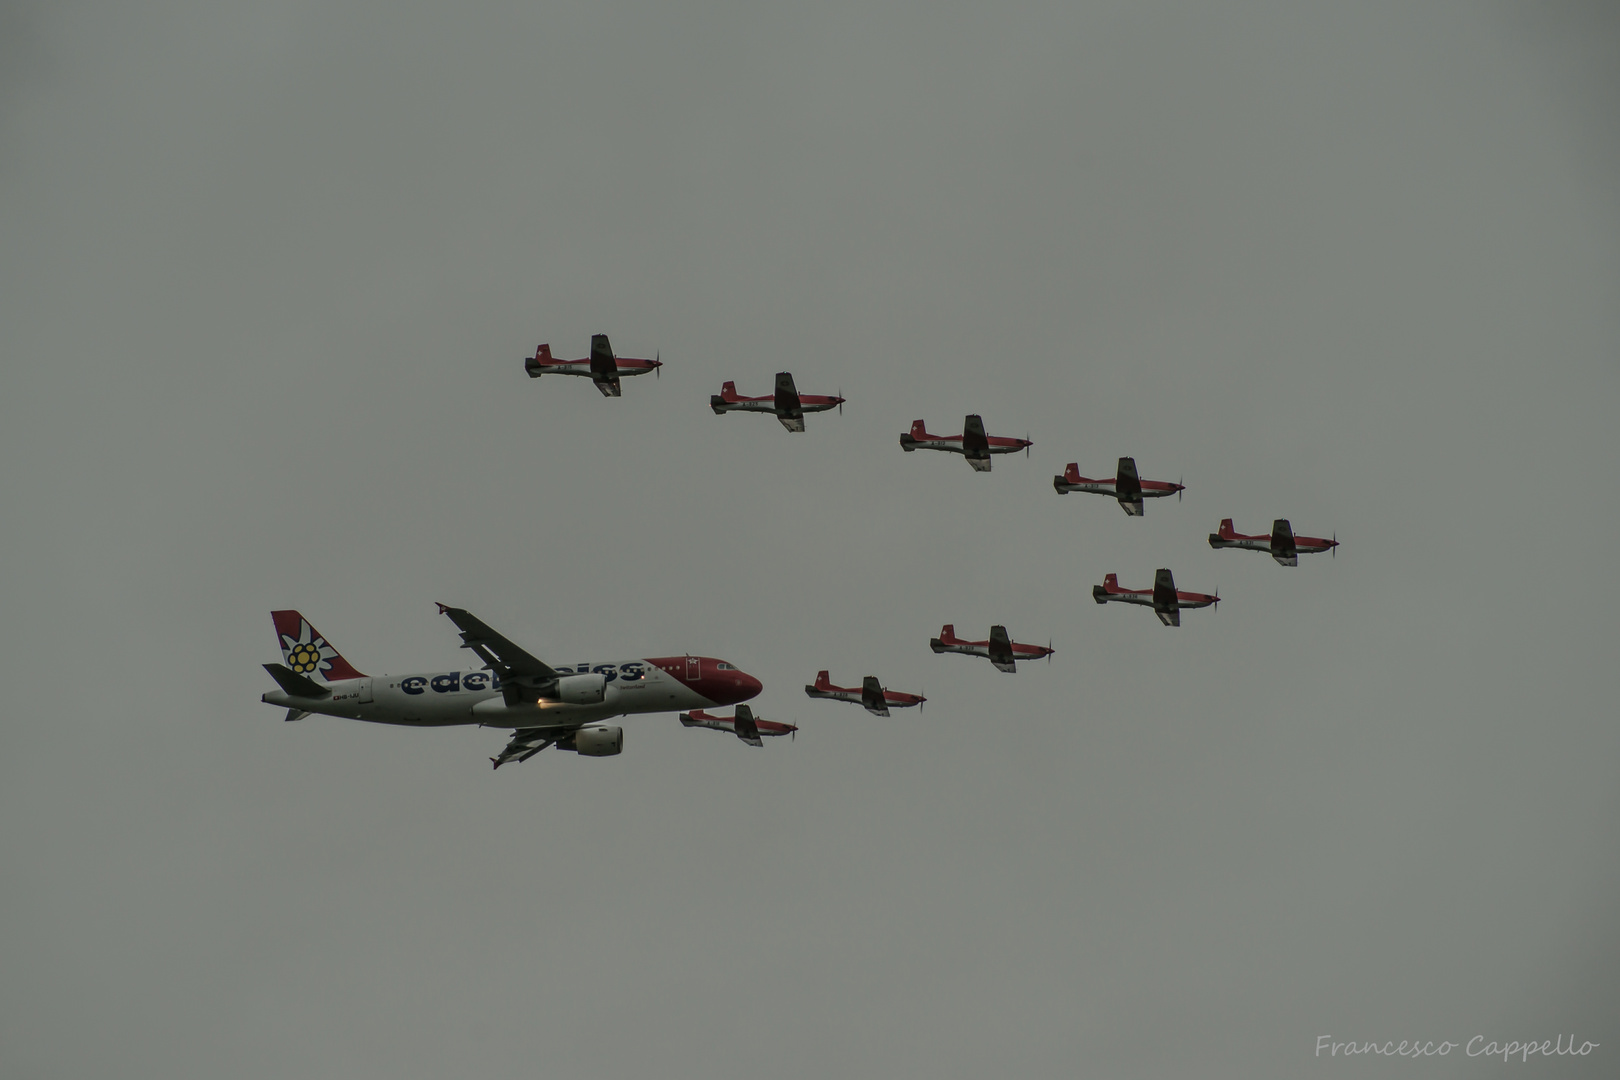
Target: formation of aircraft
x=973, y=443
x=1002, y=652
x=1282, y=544
x=545, y=705
x=566, y=705
x=601, y=367
x=743, y=724
x=1126, y=486
x=872, y=695
x=786, y=404
x=1164, y=598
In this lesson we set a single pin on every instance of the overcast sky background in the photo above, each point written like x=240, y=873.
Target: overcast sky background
x=267, y=274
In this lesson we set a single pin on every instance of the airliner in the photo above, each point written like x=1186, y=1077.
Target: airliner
x=562, y=705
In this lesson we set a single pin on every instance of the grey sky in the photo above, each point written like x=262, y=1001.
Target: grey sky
x=267, y=273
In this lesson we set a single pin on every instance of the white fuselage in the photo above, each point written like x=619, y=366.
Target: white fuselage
x=1257, y=543
x=583, y=367
x=445, y=698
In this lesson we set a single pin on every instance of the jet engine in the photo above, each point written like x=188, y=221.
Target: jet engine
x=597, y=741
x=578, y=690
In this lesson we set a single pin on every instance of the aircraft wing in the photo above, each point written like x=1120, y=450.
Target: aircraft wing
x=974, y=441
x=498, y=653
x=745, y=727
x=1283, y=547
x=872, y=696
x=526, y=742
x=1000, y=646
x=603, y=365
x=1128, y=487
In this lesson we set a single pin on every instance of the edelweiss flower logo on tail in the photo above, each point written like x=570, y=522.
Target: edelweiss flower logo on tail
x=306, y=652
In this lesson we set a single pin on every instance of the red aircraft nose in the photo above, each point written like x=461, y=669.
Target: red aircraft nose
x=725, y=685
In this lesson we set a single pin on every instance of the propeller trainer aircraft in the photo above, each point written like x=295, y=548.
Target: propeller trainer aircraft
x=788, y=405
x=601, y=367
x=1163, y=598
x=1283, y=545
x=1126, y=486
x=972, y=444
x=745, y=725
x=559, y=706
x=869, y=694
x=1002, y=651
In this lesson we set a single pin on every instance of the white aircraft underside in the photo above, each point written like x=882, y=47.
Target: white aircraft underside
x=444, y=699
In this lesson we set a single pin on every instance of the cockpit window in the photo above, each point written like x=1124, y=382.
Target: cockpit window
x=723, y=666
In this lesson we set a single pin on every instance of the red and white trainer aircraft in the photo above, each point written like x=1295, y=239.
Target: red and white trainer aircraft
x=1126, y=486
x=559, y=706
x=787, y=404
x=745, y=725
x=870, y=694
x=601, y=367
x=1002, y=651
x=972, y=444
x=1283, y=545
x=1166, y=602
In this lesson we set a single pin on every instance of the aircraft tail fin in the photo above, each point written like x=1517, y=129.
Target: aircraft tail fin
x=947, y=634
x=822, y=681
x=1227, y=532
x=1071, y=473
x=919, y=430
x=532, y=364
x=306, y=652
x=1111, y=583
x=728, y=391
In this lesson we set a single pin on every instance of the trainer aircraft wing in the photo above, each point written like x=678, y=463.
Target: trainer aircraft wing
x=1000, y=650
x=974, y=441
x=1128, y=487
x=498, y=653
x=604, y=366
x=745, y=726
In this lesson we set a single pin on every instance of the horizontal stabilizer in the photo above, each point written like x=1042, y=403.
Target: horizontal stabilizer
x=295, y=684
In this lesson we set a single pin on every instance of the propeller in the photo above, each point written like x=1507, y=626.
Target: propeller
x=1048, y=650
x=1180, y=487
x=1026, y=444
x=840, y=401
x=658, y=364
x=1335, y=553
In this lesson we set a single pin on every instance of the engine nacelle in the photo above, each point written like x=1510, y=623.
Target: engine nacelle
x=598, y=741
x=579, y=690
